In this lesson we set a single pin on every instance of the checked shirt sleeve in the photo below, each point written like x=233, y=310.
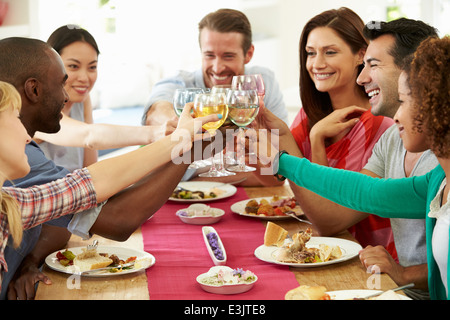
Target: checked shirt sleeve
x=71, y=194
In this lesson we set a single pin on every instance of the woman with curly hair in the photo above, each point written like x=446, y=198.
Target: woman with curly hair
x=423, y=120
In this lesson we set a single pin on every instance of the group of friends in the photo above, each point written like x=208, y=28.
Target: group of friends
x=375, y=102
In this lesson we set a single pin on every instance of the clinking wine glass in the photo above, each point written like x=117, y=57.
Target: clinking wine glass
x=229, y=155
x=243, y=108
x=206, y=104
x=183, y=96
x=250, y=82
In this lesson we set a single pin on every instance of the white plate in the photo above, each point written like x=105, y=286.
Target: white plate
x=239, y=208
x=217, y=262
x=199, y=219
x=144, y=260
x=226, y=288
x=351, y=294
x=206, y=186
x=350, y=249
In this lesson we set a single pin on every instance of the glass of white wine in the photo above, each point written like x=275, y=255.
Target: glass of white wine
x=229, y=155
x=243, y=107
x=206, y=104
x=183, y=96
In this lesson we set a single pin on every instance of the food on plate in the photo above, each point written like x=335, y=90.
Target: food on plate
x=90, y=259
x=274, y=235
x=228, y=276
x=307, y=293
x=215, y=246
x=295, y=250
x=188, y=194
x=275, y=207
x=199, y=210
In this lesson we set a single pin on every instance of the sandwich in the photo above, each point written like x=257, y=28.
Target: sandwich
x=274, y=235
x=90, y=260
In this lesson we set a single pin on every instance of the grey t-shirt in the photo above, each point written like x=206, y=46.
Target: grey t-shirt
x=387, y=161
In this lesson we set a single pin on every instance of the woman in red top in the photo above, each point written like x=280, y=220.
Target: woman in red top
x=335, y=127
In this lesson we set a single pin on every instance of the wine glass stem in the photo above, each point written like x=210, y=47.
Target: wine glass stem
x=241, y=158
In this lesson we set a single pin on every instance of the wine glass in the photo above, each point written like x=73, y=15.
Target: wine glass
x=206, y=104
x=183, y=96
x=243, y=108
x=250, y=82
x=229, y=155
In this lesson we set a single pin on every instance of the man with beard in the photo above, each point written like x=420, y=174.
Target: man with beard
x=225, y=39
x=37, y=72
x=390, y=43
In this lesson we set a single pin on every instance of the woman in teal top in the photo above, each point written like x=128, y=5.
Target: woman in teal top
x=423, y=120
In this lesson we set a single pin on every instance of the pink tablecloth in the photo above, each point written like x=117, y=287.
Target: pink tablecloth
x=181, y=255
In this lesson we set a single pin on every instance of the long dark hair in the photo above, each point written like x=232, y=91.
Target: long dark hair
x=65, y=35
x=349, y=26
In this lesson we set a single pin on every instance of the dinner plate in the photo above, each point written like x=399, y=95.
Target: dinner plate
x=350, y=249
x=239, y=208
x=351, y=294
x=206, y=186
x=144, y=260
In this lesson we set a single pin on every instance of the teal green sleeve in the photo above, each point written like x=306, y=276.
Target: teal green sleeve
x=391, y=198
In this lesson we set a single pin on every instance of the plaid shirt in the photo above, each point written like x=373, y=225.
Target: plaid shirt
x=39, y=204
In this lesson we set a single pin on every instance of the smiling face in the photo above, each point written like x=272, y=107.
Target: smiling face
x=380, y=76
x=413, y=140
x=80, y=61
x=222, y=56
x=330, y=62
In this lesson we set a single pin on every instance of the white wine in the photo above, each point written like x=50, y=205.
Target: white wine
x=242, y=114
x=214, y=109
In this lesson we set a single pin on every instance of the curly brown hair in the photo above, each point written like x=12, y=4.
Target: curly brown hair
x=429, y=81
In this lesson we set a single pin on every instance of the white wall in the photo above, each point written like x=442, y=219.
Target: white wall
x=153, y=38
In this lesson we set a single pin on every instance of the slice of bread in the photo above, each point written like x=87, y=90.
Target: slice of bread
x=90, y=260
x=307, y=293
x=274, y=235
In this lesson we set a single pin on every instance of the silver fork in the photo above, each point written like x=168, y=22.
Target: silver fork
x=293, y=215
x=93, y=245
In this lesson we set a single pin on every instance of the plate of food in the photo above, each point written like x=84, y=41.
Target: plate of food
x=103, y=261
x=361, y=294
x=200, y=213
x=302, y=250
x=202, y=191
x=267, y=208
x=225, y=280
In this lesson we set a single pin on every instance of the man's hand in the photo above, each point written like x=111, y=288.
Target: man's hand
x=22, y=287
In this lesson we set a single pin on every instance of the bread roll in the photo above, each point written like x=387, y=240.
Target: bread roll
x=90, y=260
x=306, y=293
x=274, y=235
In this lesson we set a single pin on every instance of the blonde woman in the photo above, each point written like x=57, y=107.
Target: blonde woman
x=83, y=189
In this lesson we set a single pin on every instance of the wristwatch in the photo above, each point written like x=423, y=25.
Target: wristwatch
x=276, y=163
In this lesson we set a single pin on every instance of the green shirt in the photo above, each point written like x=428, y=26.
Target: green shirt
x=391, y=198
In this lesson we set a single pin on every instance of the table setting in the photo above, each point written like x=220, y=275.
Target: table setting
x=208, y=241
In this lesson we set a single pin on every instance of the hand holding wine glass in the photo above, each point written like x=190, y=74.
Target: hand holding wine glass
x=242, y=110
x=206, y=104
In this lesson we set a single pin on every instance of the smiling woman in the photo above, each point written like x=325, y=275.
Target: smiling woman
x=335, y=127
x=79, y=53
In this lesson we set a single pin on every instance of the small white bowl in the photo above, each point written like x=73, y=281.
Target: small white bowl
x=198, y=214
x=217, y=261
x=226, y=288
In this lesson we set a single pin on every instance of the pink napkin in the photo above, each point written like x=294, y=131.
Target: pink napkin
x=181, y=255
